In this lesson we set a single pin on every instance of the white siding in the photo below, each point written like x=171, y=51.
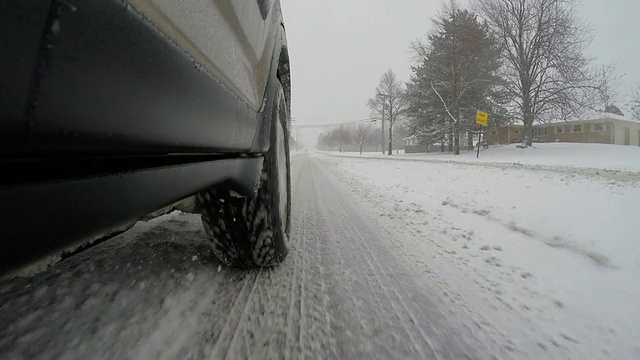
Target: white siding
x=619, y=132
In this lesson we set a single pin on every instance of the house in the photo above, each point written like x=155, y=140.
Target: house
x=413, y=144
x=605, y=129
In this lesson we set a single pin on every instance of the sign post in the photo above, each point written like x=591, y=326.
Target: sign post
x=482, y=118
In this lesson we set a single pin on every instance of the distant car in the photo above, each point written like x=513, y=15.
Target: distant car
x=112, y=110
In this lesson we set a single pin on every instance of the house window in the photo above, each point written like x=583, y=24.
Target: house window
x=494, y=132
x=599, y=127
x=559, y=129
x=577, y=128
x=516, y=131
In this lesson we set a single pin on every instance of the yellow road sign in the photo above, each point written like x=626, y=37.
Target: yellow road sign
x=482, y=118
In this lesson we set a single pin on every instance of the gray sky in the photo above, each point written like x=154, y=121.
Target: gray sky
x=340, y=48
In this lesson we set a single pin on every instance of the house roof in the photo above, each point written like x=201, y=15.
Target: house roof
x=600, y=116
x=594, y=117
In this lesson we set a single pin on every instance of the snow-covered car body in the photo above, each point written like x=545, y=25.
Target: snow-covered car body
x=113, y=109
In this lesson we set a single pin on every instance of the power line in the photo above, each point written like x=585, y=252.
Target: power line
x=329, y=125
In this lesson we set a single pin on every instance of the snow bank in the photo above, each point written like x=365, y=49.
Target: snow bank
x=598, y=156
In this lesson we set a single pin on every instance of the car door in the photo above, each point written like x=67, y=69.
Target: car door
x=232, y=39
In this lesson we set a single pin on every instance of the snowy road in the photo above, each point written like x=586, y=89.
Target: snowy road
x=373, y=273
x=547, y=254
x=156, y=292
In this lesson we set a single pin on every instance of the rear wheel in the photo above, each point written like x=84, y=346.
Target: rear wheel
x=252, y=231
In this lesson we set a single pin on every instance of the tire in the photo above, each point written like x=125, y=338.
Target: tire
x=249, y=231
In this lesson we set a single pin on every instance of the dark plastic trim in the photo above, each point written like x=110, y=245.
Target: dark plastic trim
x=42, y=218
x=109, y=83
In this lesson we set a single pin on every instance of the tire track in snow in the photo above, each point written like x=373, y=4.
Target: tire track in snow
x=379, y=274
x=358, y=317
x=236, y=314
x=433, y=348
x=400, y=313
x=390, y=290
x=243, y=318
x=294, y=286
x=315, y=333
x=301, y=284
x=319, y=285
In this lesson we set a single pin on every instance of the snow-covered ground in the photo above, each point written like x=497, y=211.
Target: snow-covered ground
x=598, y=156
x=389, y=259
x=548, y=257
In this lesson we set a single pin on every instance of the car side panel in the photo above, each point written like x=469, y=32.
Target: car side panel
x=229, y=38
x=111, y=97
x=107, y=82
x=21, y=25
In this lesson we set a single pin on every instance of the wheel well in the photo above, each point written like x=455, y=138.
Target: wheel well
x=284, y=74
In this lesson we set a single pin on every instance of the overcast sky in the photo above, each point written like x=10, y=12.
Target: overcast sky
x=339, y=49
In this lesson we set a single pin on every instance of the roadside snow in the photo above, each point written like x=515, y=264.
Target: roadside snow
x=550, y=259
x=598, y=156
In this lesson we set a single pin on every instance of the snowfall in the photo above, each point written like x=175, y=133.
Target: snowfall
x=541, y=245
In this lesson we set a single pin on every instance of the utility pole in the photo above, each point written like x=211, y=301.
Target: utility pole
x=384, y=103
x=382, y=139
x=390, y=127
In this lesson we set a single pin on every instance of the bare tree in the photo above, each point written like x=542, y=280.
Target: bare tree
x=361, y=134
x=339, y=137
x=389, y=102
x=545, y=69
x=609, y=90
x=608, y=84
